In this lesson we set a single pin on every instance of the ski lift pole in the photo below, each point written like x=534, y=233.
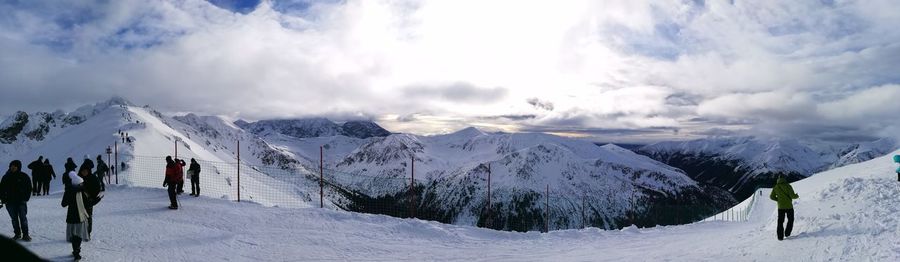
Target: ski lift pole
x=239, y=171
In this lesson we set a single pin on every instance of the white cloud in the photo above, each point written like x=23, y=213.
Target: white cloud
x=606, y=64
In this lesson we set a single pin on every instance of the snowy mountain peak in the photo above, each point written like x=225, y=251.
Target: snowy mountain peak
x=118, y=100
x=468, y=132
x=314, y=127
x=616, y=148
x=363, y=129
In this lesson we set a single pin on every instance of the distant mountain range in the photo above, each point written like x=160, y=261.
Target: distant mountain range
x=314, y=127
x=368, y=167
x=742, y=164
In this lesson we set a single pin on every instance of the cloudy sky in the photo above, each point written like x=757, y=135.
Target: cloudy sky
x=627, y=71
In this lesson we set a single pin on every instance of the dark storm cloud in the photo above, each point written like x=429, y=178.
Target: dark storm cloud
x=509, y=117
x=538, y=103
x=458, y=92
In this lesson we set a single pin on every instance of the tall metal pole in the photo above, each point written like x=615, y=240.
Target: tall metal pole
x=583, y=222
x=321, y=177
x=547, y=221
x=490, y=206
x=117, y=161
x=239, y=170
x=176, y=147
x=412, y=188
x=108, y=161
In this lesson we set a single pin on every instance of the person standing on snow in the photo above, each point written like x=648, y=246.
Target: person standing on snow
x=49, y=175
x=180, y=165
x=36, y=167
x=91, y=191
x=171, y=181
x=77, y=217
x=15, y=189
x=897, y=160
x=194, y=172
x=102, y=170
x=783, y=193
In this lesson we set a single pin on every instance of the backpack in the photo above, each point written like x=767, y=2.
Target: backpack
x=92, y=188
x=896, y=158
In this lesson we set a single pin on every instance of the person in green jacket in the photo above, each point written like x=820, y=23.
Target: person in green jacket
x=897, y=160
x=783, y=193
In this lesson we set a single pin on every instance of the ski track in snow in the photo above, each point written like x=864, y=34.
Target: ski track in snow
x=846, y=214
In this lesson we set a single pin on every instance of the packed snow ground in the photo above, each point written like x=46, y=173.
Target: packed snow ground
x=846, y=214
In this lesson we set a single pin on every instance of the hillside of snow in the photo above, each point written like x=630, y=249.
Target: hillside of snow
x=89, y=130
x=845, y=214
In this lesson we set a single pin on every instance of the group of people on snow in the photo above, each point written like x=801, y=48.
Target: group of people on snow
x=41, y=174
x=82, y=191
x=174, y=179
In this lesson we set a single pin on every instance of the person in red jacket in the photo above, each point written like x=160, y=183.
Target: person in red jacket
x=173, y=178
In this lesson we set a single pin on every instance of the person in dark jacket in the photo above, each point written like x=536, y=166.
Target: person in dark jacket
x=171, y=181
x=91, y=192
x=70, y=165
x=194, y=172
x=179, y=163
x=784, y=194
x=102, y=171
x=15, y=189
x=36, y=167
x=77, y=216
x=49, y=174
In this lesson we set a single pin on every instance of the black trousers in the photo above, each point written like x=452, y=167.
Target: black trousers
x=76, y=245
x=195, y=185
x=173, y=196
x=785, y=231
x=90, y=220
x=35, y=185
x=180, y=187
x=45, y=186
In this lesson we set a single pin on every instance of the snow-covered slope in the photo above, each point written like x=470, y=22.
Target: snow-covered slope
x=152, y=137
x=452, y=171
x=741, y=164
x=845, y=214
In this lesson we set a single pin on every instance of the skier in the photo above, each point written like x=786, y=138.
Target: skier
x=179, y=163
x=14, y=193
x=35, y=167
x=783, y=193
x=102, y=171
x=194, y=172
x=49, y=175
x=171, y=181
x=77, y=217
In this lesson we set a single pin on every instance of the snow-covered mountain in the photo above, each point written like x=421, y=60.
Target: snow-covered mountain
x=452, y=172
x=89, y=130
x=313, y=127
x=743, y=164
x=218, y=134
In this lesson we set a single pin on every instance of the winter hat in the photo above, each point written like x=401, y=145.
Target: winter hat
x=16, y=163
x=88, y=164
x=70, y=165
